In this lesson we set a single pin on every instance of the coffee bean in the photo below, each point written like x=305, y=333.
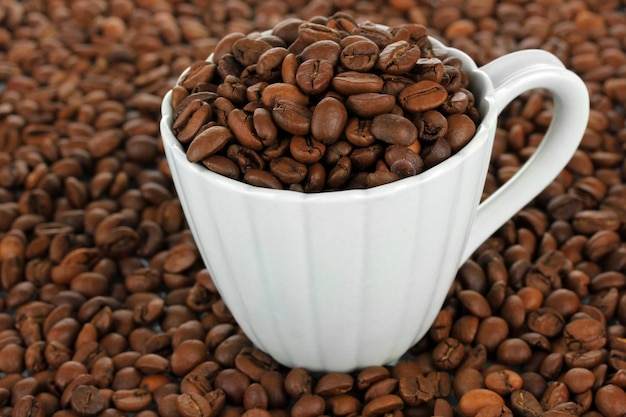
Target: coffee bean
x=394, y=129
x=87, y=400
x=475, y=400
x=314, y=76
x=334, y=383
x=308, y=405
x=328, y=120
x=354, y=82
x=398, y=57
x=78, y=215
x=422, y=96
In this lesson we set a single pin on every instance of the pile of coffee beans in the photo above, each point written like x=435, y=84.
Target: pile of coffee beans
x=106, y=310
x=325, y=104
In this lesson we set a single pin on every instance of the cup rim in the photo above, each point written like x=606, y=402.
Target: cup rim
x=175, y=153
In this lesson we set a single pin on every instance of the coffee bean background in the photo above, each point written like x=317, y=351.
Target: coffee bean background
x=106, y=309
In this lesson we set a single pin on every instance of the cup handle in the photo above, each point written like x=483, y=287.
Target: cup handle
x=512, y=75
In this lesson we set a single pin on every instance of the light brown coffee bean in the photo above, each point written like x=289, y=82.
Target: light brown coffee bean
x=422, y=96
x=132, y=400
x=334, y=383
x=369, y=105
x=314, y=76
x=328, y=120
x=475, y=400
x=354, y=82
x=382, y=405
x=308, y=405
x=292, y=117
x=360, y=55
x=461, y=130
x=393, y=129
x=208, y=142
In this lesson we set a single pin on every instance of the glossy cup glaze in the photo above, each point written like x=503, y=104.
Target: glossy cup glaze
x=342, y=280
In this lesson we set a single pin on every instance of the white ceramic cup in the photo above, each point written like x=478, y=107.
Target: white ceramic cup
x=338, y=281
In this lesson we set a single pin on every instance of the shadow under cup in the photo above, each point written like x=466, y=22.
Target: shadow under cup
x=339, y=280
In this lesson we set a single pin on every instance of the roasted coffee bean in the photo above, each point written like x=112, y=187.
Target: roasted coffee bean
x=308, y=405
x=132, y=400
x=87, y=400
x=475, y=400
x=353, y=82
x=393, y=129
x=398, y=57
x=314, y=76
x=334, y=383
x=298, y=382
x=292, y=117
x=402, y=161
x=328, y=120
x=360, y=55
x=210, y=141
x=89, y=225
x=369, y=105
x=422, y=96
x=460, y=131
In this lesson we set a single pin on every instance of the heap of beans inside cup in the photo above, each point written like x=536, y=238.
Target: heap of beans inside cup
x=324, y=104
